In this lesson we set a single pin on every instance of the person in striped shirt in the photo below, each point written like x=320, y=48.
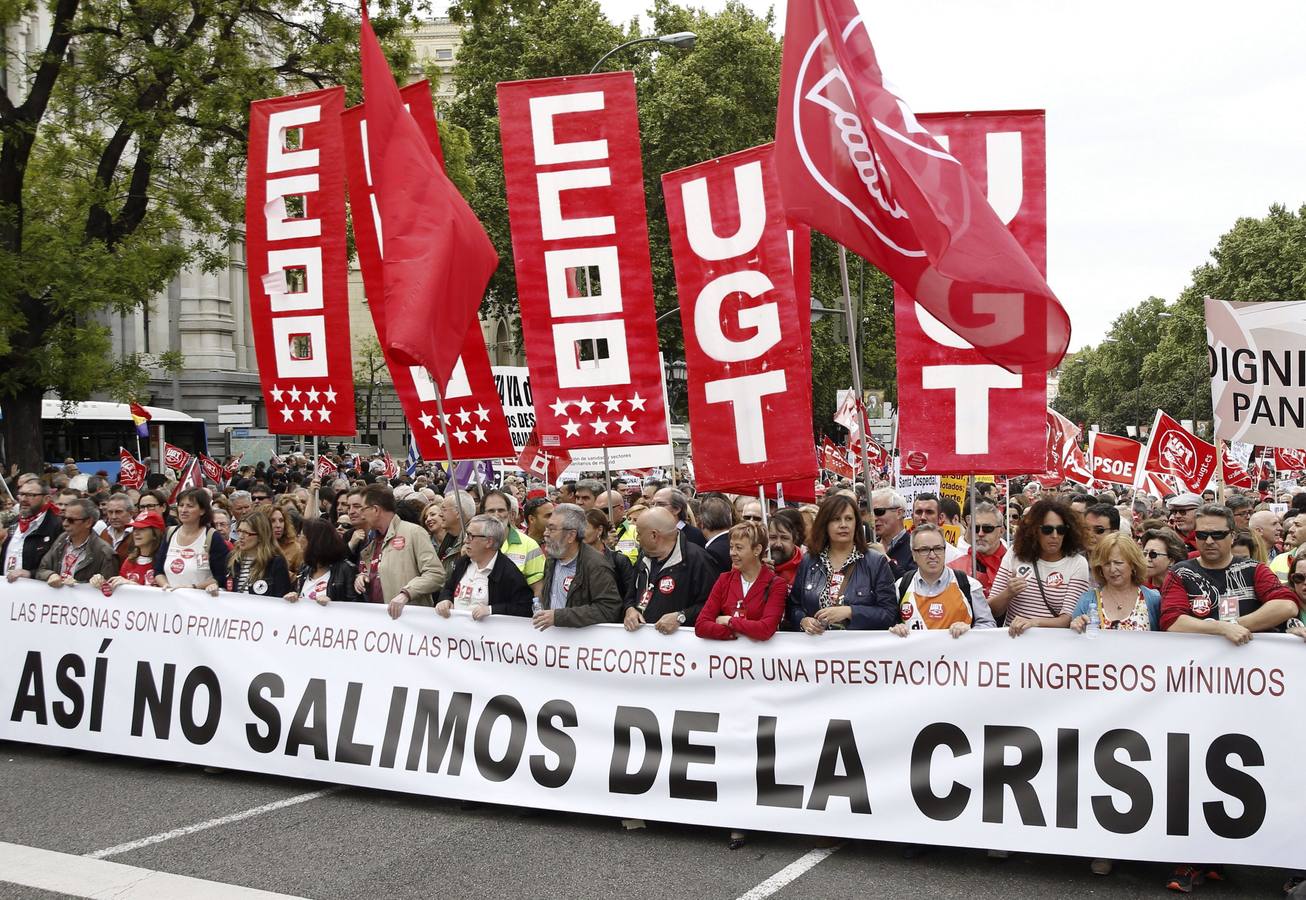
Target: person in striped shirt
x=1044, y=574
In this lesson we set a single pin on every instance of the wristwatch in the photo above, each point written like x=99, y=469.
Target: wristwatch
x=680, y=617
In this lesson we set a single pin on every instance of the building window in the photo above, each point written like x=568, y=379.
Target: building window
x=444, y=53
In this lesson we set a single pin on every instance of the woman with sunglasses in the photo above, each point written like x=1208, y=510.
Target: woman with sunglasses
x=1043, y=576
x=1162, y=548
x=1297, y=581
x=256, y=565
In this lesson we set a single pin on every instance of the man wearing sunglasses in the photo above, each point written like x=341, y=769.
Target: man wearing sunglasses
x=1099, y=519
x=77, y=554
x=890, y=510
x=985, y=555
x=1218, y=593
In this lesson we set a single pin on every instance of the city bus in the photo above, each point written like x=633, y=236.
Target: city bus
x=91, y=432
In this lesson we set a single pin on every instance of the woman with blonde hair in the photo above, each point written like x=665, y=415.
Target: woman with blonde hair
x=256, y=565
x=286, y=536
x=1123, y=602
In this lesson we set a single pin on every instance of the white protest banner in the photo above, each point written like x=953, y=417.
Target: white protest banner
x=911, y=485
x=1131, y=745
x=514, y=384
x=1258, y=370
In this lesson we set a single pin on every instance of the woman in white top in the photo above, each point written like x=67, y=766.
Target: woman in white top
x=1044, y=574
x=193, y=555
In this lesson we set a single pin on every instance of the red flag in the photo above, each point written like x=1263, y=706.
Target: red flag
x=1233, y=474
x=212, y=469
x=1175, y=451
x=833, y=459
x=138, y=412
x=327, y=469
x=855, y=164
x=234, y=465
x=1115, y=459
x=175, y=458
x=1287, y=460
x=131, y=471
x=1065, y=458
x=391, y=467
x=750, y=399
x=189, y=479
x=476, y=424
x=437, y=257
x=546, y=463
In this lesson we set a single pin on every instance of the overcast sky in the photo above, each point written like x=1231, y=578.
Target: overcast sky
x=1165, y=121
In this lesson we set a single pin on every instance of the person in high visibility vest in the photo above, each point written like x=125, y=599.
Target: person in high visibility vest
x=518, y=546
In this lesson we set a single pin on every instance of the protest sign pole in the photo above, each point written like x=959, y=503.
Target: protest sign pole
x=1219, y=466
x=856, y=365
x=974, y=553
x=607, y=477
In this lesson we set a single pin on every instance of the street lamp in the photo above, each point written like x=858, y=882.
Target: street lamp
x=682, y=39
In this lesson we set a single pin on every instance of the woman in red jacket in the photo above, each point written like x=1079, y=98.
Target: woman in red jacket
x=747, y=600
x=750, y=598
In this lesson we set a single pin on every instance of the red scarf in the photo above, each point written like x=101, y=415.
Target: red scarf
x=25, y=521
x=789, y=567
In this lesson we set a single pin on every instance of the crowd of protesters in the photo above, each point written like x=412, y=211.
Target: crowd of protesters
x=654, y=554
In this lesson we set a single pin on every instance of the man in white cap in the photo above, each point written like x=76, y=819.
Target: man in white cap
x=1183, y=516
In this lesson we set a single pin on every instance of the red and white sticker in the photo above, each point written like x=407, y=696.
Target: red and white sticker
x=566, y=583
x=667, y=584
x=906, y=610
x=399, y=543
x=178, y=566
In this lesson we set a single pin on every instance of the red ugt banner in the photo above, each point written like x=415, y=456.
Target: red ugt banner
x=1175, y=451
x=750, y=397
x=575, y=182
x=474, y=415
x=949, y=393
x=1115, y=459
x=295, y=256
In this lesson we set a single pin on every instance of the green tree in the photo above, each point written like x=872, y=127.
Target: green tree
x=123, y=162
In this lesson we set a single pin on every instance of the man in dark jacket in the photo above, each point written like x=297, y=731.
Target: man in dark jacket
x=717, y=516
x=579, y=585
x=31, y=536
x=672, y=576
x=484, y=580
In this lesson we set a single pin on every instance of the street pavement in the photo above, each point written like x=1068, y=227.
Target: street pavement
x=352, y=843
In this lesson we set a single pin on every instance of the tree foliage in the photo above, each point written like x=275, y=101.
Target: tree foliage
x=123, y=161
x=1155, y=354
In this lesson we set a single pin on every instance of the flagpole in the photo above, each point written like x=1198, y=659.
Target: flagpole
x=448, y=452
x=607, y=474
x=974, y=553
x=1219, y=467
x=856, y=366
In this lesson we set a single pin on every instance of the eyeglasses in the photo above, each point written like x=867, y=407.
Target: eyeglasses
x=1211, y=535
x=67, y=519
x=149, y=506
x=30, y=495
x=752, y=518
x=1100, y=529
x=1062, y=530
x=986, y=529
x=260, y=499
x=1152, y=554
x=881, y=510
x=243, y=533
x=928, y=551
x=1297, y=578
x=470, y=535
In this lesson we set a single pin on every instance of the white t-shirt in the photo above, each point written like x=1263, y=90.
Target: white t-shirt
x=745, y=584
x=14, y=554
x=315, y=589
x=187, y=565
x=1063, y=583
x=474, y=587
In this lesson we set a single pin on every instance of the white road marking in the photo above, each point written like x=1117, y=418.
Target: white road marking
x=790, y=873
x=79, y=876
x=212, y=823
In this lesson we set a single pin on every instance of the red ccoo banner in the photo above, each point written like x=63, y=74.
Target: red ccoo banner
x=958, y=409
x=750, y=407
x=295, y=257
x=575, y=184
x=475, y=421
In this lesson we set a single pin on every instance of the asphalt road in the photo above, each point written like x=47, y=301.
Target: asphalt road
x=351, y=843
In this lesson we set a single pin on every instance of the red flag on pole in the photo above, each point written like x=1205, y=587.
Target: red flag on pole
x=391, y=467
x=546, y=463
x=189, y=479
x=326, y=469
x=131, y=471
x=1175, y=451
x=174, y=457
x=212, y=469
x=437, y=257
x=233, y=466
x=855, y=164
x=1232, y=473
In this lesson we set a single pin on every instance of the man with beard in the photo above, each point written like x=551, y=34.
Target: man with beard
x=579, y=586
x=786, y=534
x=988, y=549
x=30, y=537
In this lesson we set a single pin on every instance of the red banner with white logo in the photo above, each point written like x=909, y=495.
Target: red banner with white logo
x=212, y=469
x=545, y=463
x=835, y=459
x=575, y=184
x=476, y=424
x=297, y=265
x=325, y=469
x=1115, y=459
x=856, y=164
x=1289, y=460
x=1175, y=451
x=955, y=406
x=131, y=471
x=1232, y=473
x=750, y=396
x=174, y=457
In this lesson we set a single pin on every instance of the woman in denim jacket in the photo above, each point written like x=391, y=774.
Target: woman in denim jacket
x=841, y=583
